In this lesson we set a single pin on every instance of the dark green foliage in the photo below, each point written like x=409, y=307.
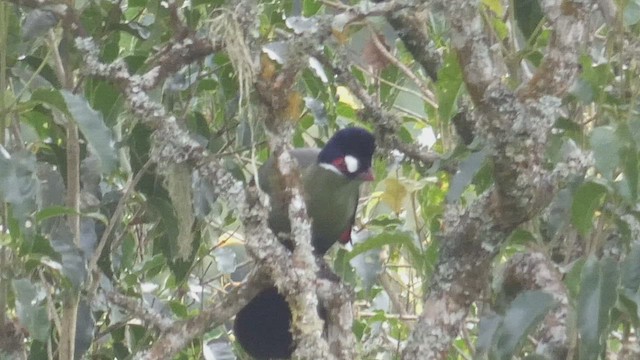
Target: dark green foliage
x=590, y=229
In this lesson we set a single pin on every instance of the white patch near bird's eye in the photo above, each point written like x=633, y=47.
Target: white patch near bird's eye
x=331, y=168
x=352, y=163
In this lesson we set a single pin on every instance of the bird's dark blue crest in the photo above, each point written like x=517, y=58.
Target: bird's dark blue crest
x=354, y=141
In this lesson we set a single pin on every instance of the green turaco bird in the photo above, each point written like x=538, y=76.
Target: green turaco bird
x=331, y=179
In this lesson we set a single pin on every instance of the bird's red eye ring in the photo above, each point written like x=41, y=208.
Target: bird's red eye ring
x=340, y=164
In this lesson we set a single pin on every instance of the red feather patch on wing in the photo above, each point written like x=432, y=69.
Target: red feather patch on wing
x=345, y=237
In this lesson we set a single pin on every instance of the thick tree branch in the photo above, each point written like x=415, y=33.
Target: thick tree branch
x=295, y=274
x=567, y=18
x=340, y=336
x=178, y=53
x=172, y=144
x=301, y=294
x=280, y=101
x=178, y=335
x=609, y=10
x=482, y=67
x=518, y=132
x=135, y=309
x=411, y=26
x=516, y=124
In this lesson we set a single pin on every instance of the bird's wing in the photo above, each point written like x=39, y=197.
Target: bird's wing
x=266, y=174
x=305, y=157
x=345, y=237
x=274, y=186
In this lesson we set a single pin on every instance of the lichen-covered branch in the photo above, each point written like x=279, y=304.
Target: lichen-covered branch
x=515, y=125
x=411, y=26
x=279, y=100
x=517, y=131
x=171, y=145
x=338, y=301
x=178, y=335
x=364, y=9
x=175, y=55
x=609, y=10
x=294, y=274
x=135, y=309
x=482, y=67
x=301, y=293
x=567, y=18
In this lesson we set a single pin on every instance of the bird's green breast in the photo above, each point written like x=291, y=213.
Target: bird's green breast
x=331, y=202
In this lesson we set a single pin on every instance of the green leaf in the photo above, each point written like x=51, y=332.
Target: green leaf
x=54, y=211
x=178, y=184
x=368, y=266
x=179, y=309
x=18, y=183
x=521, y=237
x=410, y=103
x=31, y=312
x=528, y=15
x=522, y=316
x=93, y=128
x=605, y=146
x=487, y=330
x=467, y=170
x=106, y=99
x=495, y=6
x=598, y=74
x=343, y=268
x=73, y=264
x=50, y=97
x=630, y=164
x=583, y=91
x=394, y=193
x=572, y=278
x=17, y=178
x=378, y=241
x=633, y=127
x=631, y=12
x=449, y=85
x=596, y=299
x=630, y=268
x=85, y=328
x=38, y=350
x=47, y=72
x=585, y=202
x=37, y=23
x=310, y=7
x=629, y=302
x=630, y=281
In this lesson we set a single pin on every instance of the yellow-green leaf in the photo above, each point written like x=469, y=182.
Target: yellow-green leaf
x=394, y=194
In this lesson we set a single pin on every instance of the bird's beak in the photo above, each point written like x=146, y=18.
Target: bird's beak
x=366, y=175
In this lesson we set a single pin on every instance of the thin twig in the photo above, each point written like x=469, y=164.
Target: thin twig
x=50, y=303
x=429, y=97
x=112, y=222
